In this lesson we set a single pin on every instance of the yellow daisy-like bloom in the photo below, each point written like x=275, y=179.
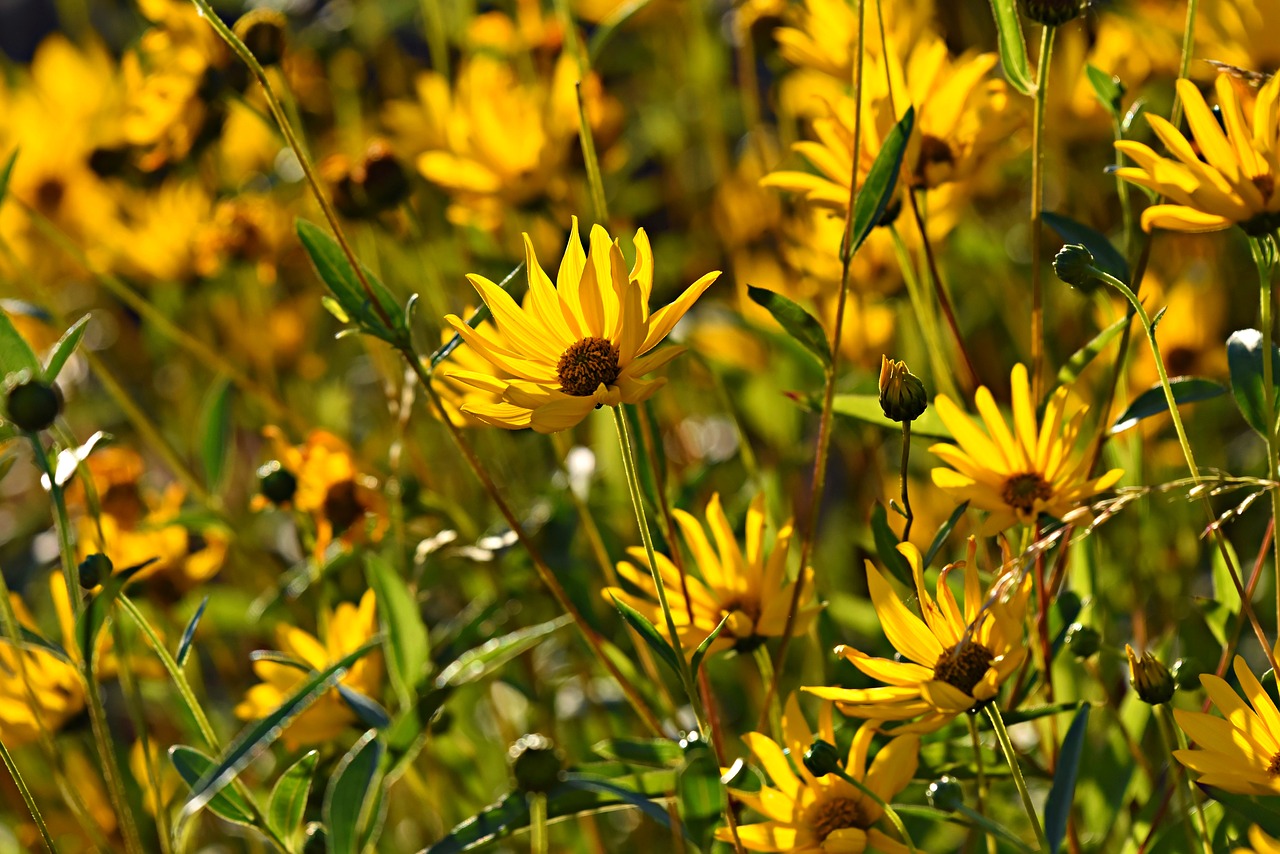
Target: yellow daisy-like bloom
x=1259, y=843
x=954, y=662
x=1241, y=752
x=1017, y=475
x=581, y=343
x=808, y=813
x=37, y=688
x=748, y=588
x=349, y=626
x=1235, y=184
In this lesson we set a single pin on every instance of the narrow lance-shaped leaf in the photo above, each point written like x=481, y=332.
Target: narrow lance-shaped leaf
x=228, y=804
x=881, y=184
x=798, y=323
x=887, y=546
x=477, y=663
x=649, y=633
x=189, y=633
x=15, y=353
x=1108, y=88
x=407, y=647
x=345, y=802
x=704, y=647
x=1083, y=357
x=65, y=347
x=944, y=531
x=480, y=315
x=215, y=433
x=1105, y=256
x=288, y=802
x=1061, y=794
x=95, y=613
x=1244, y=358
x=335, y=271
x=1013, y=47
x=1153, y=402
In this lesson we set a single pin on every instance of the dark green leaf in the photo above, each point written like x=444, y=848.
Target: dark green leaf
x=1105, y=256
x=881, y=184
x=475, y=664
x=649, y=751
x=95, y=613
x=650, y=634
x=1109, y=90
x=624, y=795
x=334, y=270
x=1013, y=48
x=887, y=547
x=215, y=433
x=62, y=351
x=1021, y=716
x=1263, y=812
x=259, y=735
x=1244, y=357
x=1152, y=401
x=797, y=322
x=344, y=811
x=866, y=407
x=407, y=648
x=944, y=531
x=189, y=633
x=1081, y=358
x=699, y=795
x=477, y=317
x=370, y=713
x=192, y=765
x=15, y=353
x=288, y=801
x=701, y=652
x=1058, y=808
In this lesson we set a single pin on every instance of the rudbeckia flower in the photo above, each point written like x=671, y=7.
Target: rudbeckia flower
x=1016, y=475
x=1235, y=184
x=349, y=626
x=748, y=588
x=1241, y=752
x=808, y=813
x=953, y=661
x=581, y=343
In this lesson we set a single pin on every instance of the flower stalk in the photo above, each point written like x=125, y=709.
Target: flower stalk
x=1037, y=209
x=1011, y=757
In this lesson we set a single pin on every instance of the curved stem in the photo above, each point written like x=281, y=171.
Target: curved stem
x=981, y=776
x=27, y=798
x=1011, y=757
x=1037, y=205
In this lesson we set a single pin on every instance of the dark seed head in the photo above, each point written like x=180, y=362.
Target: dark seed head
x=33, y=405
x=277, y=483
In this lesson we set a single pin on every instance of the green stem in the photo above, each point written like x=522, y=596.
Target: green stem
x=982, y=776
x=1037, y=205
x=26, y=796
x=538, y=823
x=1165, y=724
x=1263, y=259
x=889, y=812
x=906, y=498
x=764, y=662
x=595, y=184
x=1006, y=745
x=1184, y=64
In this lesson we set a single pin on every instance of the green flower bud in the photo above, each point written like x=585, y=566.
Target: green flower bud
x=1082, y=640
x=1149, y=677
x=1069, y=605
x=945, y=794
x=902, y=395
x=93, y=569
x=277, y=483
x=264, y=32
x=1051, y=13
x=1073, y=265
x=32, y=405
x=535, y=763
x=1186, y=673
x=822, y=758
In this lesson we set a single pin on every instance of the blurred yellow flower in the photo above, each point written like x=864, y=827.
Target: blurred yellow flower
x=38, y=689
x=1018, y=475
x=828, y=813
x=952, y=662
x=1241, y=752
x=155, y=774
x=576, y=345
x=1235, y=184
x=750, y=588
x=349, y=626
x=1259, y=843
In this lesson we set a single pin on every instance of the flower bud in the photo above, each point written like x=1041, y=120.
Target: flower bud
x=945, y=794
x=902, y=394
x=535, y=763
x=382, y=178
x=277, y=483
x=1149, y=677
x=1051, y=13
x=1186, y=673
x=93, y=569
x=32, y=405
x=263, y=31
x=1074, y=265
x=1082, y=640
x=822, y=758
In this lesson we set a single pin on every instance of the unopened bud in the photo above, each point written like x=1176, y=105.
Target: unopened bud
x=902, y=394
x=264, y=32
x=32, y=404
x=945, y=794
x=1082, y=640
x=1149, y=677
x=822, y=758
x=277, y=483
x=535, y=763
x=1074, y=265
x=1051, y=13
x=93, y=569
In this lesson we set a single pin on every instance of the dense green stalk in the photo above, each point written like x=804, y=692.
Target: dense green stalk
x=1011, y=757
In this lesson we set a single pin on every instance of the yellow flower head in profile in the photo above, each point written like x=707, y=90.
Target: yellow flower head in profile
x=808, y=813
x=349, y=626
x=1259, y=843
x=581, y=343
x=1017, y=475
x=1241, y=752
x=749, y=588
x=1237, y=183
x=952, y=661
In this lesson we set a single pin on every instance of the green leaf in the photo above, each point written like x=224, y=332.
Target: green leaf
x=878, y=189
x=1152, y=401
x=368, y=710
x=594, y=784
x=1081, y=358
x=477, y=317
x=1109, y=90
x=1244, y=358
x=228, y=804
x=215, y=433
x=701, y=652
x=334, y=270
x=62, y=351
x=1021, y=716
x=407, y=647
x=610, y=24
x=1057, y=808
x=288, y=801
x=346, y=802
x=1263, y=812
x=6, y=173
x=887, y=547
x=650, y=634
x=1013, y=48
x=95, y=613
x=15, y=353
x=944, y=531
x=699, y=795
x=189, y=633
x=797, y=322
x=259, y=735
x=866, y=407
x=475, y=664
x=1105, y=256
x=660, y=752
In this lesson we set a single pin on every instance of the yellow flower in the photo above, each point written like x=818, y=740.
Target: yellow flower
x=953, y=662
x=1240, y=753
x=37, y=688
x=1235, y=184
x=823, y=34
x=1259, y=843
x=349, y=626
x=581, y=343
x=750, y=589
x=808, y=813
x=155, y=774
x=456, y=395
x=1018, y=475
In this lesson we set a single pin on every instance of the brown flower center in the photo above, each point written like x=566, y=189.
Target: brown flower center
x=1274, y=768
x=1021, y=491
x=587, y=364
x=963, y=665
x=937, y=160
x=49, y=193
x=826, y=817
x=1266, y=184
x=342, y=505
